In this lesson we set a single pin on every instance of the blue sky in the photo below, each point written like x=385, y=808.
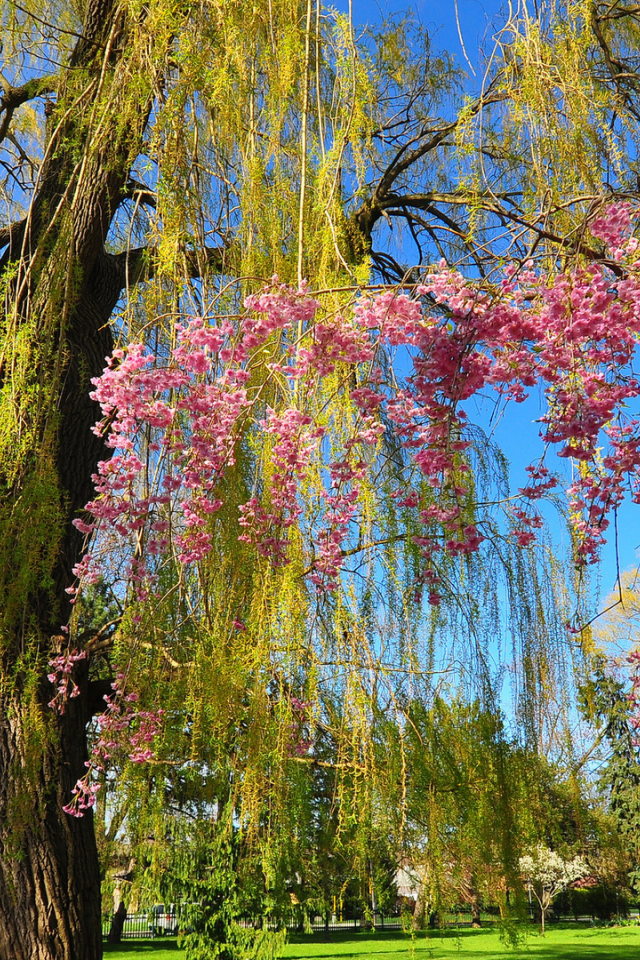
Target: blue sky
x=516, y=433
x=476, y=18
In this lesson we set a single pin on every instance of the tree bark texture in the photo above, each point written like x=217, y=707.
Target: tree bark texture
x=49, y=873
x=117, y=924
x=64, y=285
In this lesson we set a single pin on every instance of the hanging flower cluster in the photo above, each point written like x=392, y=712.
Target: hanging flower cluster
x=291, y=454
x=572, y=335
x=174, y=422
x=123, y=729
x=60, y=676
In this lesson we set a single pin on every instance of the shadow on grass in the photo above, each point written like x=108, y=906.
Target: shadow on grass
x=360, y=942
x=143, y=946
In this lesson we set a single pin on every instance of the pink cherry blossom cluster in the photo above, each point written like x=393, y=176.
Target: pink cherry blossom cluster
x=332, y=343
x=83, y=796
x=277, y=308
x=341, y=508
x=194, y=434
x=174, y=421
x=291, y=453
x=123, y=729
x=61, y=670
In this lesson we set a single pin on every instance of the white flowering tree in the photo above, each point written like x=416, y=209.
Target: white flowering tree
x=547, y=874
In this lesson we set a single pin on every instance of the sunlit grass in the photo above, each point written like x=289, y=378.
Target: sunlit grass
x=560, y=943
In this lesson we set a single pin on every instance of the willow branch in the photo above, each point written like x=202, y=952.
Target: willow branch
x=347, y=765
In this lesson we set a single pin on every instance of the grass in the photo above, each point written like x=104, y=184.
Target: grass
x=146, y=949
x=560, y=943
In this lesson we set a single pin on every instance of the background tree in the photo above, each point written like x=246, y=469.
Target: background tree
x=462, y=829
x=607, y=701
x=547, y=874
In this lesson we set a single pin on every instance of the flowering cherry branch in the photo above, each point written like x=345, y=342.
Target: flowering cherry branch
x=174, y=422
x=573, y=335
x=124, y=729
x=60, y=676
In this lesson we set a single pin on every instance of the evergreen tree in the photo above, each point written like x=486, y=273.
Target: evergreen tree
x=605, y=702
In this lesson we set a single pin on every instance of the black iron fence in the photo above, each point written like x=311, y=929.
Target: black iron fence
x=136, y=926
x=331, y=924
x=154, y=923
x=375, y=921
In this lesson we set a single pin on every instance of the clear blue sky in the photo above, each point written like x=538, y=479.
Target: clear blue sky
x=477, y=20
x=517, y=433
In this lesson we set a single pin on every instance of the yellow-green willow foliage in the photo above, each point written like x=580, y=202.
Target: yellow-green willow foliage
x=264, y=105
x=186, y=153
x=563, y=133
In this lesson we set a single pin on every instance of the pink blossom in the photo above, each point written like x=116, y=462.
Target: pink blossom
x=572, y=335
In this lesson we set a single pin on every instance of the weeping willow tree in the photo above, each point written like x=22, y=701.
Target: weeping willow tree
x=161, y=162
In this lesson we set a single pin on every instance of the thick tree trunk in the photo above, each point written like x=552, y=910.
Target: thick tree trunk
x=117, y=924
x=50, y=905
x=49, y=872
x=65, y=287
x=420, y=910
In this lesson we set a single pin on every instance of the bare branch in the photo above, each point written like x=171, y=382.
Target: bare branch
x=617, y=68
x=134, y=190
x=14, y=97
x=406, y=157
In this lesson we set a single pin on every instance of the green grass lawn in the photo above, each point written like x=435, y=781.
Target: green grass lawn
x=146, y=949
x=560, y=943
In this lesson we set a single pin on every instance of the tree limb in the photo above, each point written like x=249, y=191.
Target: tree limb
x=407, y=156
x=11, y=235
x=139, y=264
x=617, y=68
x=134, y=190
x=14, y=97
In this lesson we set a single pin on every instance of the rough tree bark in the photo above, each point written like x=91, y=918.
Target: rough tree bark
x=49, y=874
x=117, y=924
x=62, y=286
